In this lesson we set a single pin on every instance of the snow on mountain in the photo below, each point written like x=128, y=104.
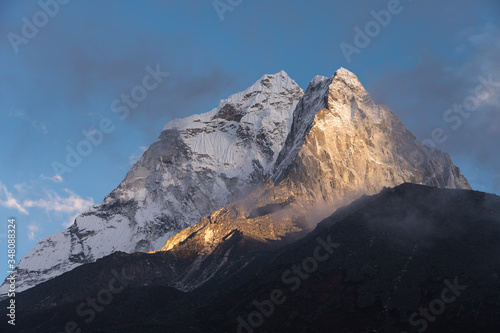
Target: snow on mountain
x=198, y=164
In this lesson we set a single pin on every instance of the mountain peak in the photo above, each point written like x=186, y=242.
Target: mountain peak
x=273, y=82
x=345, y=73
x=271, y=89
x=280, y=74
x=338, y=123
x=267, y=86
x=350, y=80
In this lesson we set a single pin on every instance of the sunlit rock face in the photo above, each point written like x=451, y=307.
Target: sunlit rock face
x=341, y=145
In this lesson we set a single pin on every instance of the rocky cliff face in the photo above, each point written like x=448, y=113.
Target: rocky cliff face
x=341, y=146
x=197, y=165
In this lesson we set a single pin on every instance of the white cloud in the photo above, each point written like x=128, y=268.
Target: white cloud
x=7, y=200
x=55, y=179
x=71, y=204
x=32, y=230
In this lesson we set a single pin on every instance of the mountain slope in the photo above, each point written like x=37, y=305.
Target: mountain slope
x=227, y=151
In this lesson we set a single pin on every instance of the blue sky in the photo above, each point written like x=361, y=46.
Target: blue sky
x=61, y=73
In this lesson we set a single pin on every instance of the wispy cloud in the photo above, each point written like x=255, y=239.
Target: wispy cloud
x=7, y=200
x=55, y=203
x=55, y=178
x=32, y=230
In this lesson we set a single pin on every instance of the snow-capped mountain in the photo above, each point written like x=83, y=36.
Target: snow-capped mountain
x=268, y=163
x=197, y=165
x=341, y=145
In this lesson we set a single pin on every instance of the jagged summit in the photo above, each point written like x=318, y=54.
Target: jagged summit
x=343, y=96
x=339, y=112
x=266, y=91
x=340, y=74
x=347, y=75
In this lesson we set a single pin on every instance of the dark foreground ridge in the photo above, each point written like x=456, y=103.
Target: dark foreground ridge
x=409, y=259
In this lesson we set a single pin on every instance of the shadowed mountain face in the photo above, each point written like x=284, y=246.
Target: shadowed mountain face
x=409, y=259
